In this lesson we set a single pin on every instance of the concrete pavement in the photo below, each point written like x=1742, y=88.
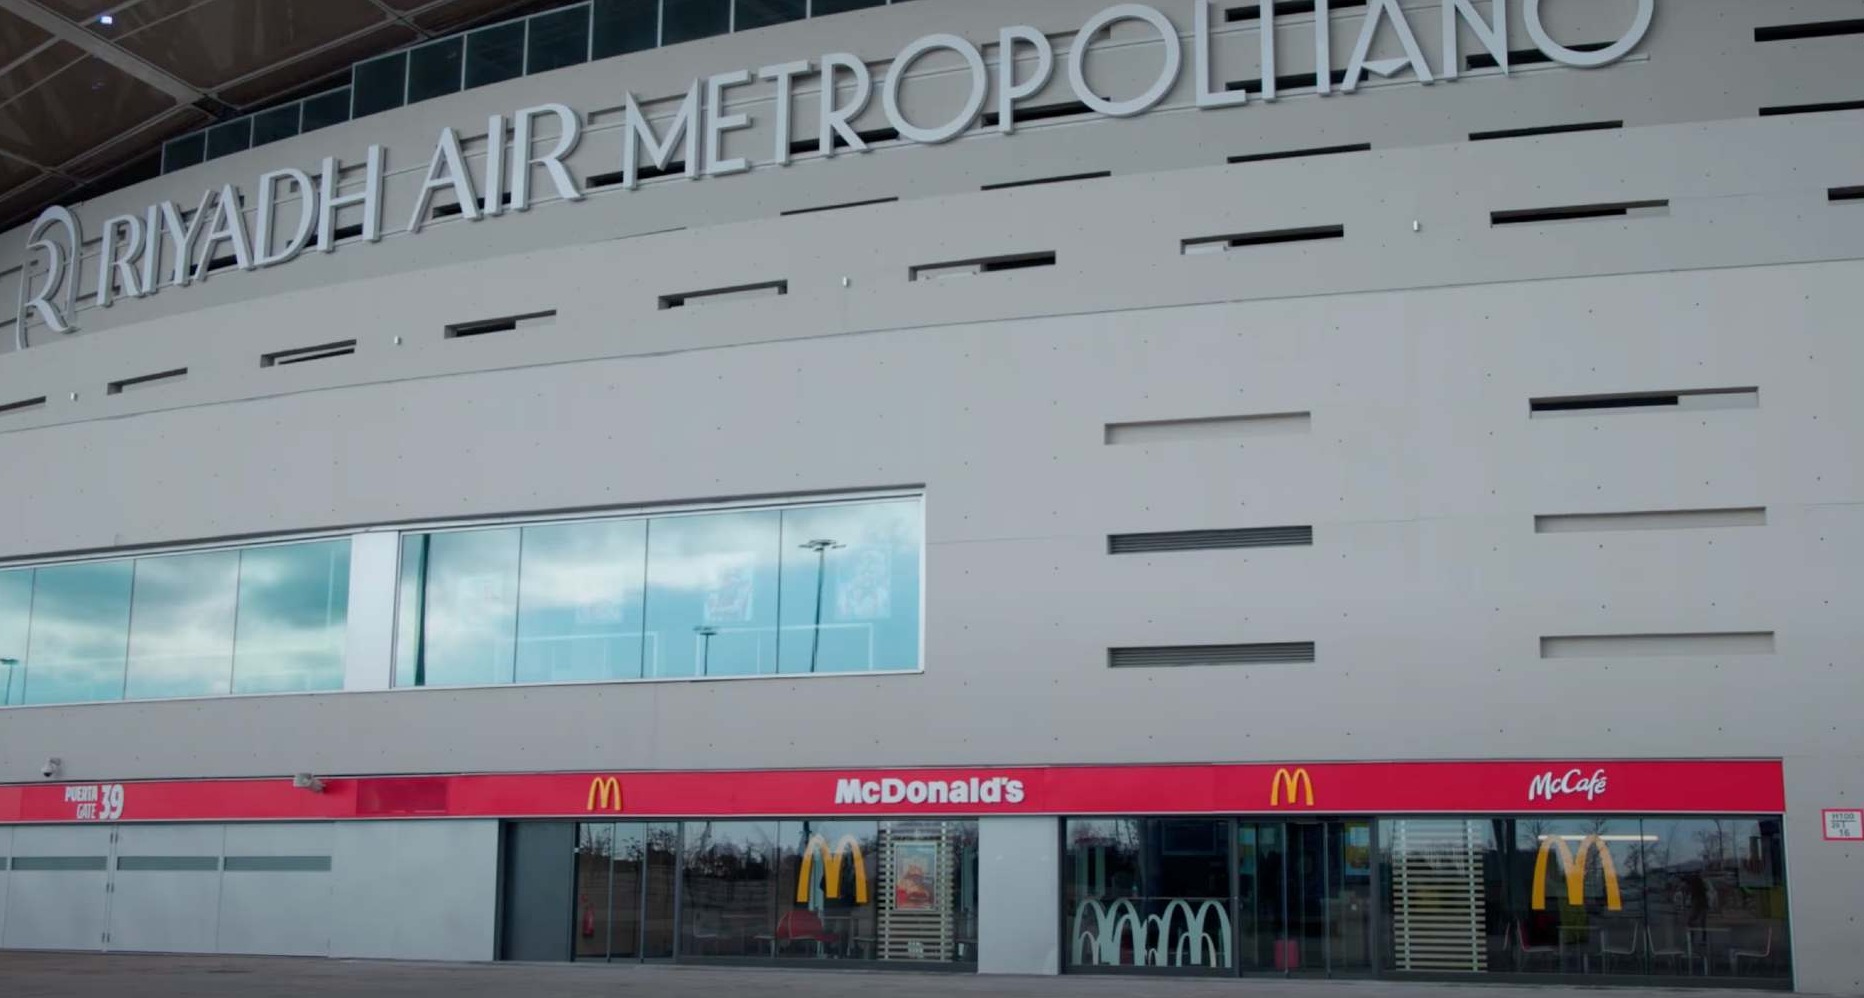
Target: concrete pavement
x=121, y=975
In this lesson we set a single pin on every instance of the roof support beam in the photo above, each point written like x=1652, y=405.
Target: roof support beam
x=92, y=45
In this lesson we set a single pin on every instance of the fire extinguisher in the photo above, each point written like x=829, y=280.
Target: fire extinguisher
x=588, y=918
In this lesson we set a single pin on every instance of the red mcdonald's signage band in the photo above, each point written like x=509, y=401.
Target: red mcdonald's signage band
x=1562, y=786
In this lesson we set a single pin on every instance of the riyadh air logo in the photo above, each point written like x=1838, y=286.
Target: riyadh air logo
x=53, y=297
x=604, y=795
x=1549, y=786
x=1291, y=783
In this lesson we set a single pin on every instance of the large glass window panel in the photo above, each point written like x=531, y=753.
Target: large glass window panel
x=80, y=632
x=595, y=890
x=379, y=84
x=436, y=70
x=229, y=138
x=623, y=26
x=495, y=54
x=469, y=608
x=181, y=625
x=729, y=889
x=325, y=110
x=580, y=601
x=1576, y=894
x=712, y=594
x=1444, y=910
x=690, y=20
x=1715, y=896
x=557, y=39
x=762, y=13
x=660, y=925
x=829, y=884
x=15, y=621
x=181, y=153
x=850, y=588
x=1152, y=892
x=293, y=617
x=276, y=124
x=821, y=7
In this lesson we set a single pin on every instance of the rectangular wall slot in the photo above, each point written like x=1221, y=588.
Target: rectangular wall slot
x=1523, y=133
x=343, y=232
x=1191, y=656
x=716, y=296
x=1210, y=540
x=1846, y=193
x=1527, y=57
x=1220, y=244
x=840, y=207
x=483, y=327
x=1066, y=179
x=1283, y=8
x=1580, y=212
x=1783, y=109
x=1292, y=83
x=644, y=171
x=872, y=136
x=1702, y=645
x=23, y=405
x=1661, y=519
x=985, y=265
x=1691, y=399
x=452, y=208
x=304, y=355
x=1038, y=112
x=1813, y=29
x=1263, y=157
x=145, y=381
x=1214, y=428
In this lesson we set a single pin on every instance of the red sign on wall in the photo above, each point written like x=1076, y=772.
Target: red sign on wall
x=1512, y=787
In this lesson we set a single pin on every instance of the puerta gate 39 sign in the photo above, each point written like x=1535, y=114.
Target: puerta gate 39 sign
x=164, y=246
x=1368, y=788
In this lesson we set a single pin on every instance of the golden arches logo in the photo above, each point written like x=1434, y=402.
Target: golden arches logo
x=604, y=795
x=1293, y=782
x=848, y=847
x=1575, y=870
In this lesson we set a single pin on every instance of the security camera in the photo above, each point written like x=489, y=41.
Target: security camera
x=305, y=781
x=50, y=769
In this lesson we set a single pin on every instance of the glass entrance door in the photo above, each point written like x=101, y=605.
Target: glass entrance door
x=624, y=890
x=1304, y=896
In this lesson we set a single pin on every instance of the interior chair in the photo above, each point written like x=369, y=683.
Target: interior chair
x=1526, y=951
x=1666, y=940
x=800, y=925
x=1738, y=952
x=1618, y=940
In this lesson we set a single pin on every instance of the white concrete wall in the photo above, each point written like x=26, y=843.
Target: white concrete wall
x=1018, y=895
x=416, y=890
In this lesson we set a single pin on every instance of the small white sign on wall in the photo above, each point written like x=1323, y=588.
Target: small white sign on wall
x=1844, y=825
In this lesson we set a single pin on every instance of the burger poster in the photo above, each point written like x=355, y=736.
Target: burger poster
x=915, y=876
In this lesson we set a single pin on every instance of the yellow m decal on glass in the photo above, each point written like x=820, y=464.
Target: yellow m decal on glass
x=848, y=847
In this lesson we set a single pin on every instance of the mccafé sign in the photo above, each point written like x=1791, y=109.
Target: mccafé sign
x=166, y=246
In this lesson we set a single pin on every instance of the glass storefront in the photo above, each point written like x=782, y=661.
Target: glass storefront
x=858, y=891
x=824, y=588
x=1684, y=899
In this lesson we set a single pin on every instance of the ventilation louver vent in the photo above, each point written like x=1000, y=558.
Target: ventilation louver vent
x=1210, y=540
x=304, y=355
x=1185, y=656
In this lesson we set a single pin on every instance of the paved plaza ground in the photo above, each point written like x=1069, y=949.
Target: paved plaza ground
x=90, y=975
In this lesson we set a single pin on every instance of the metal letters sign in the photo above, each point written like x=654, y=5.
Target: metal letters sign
x=163, y=247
